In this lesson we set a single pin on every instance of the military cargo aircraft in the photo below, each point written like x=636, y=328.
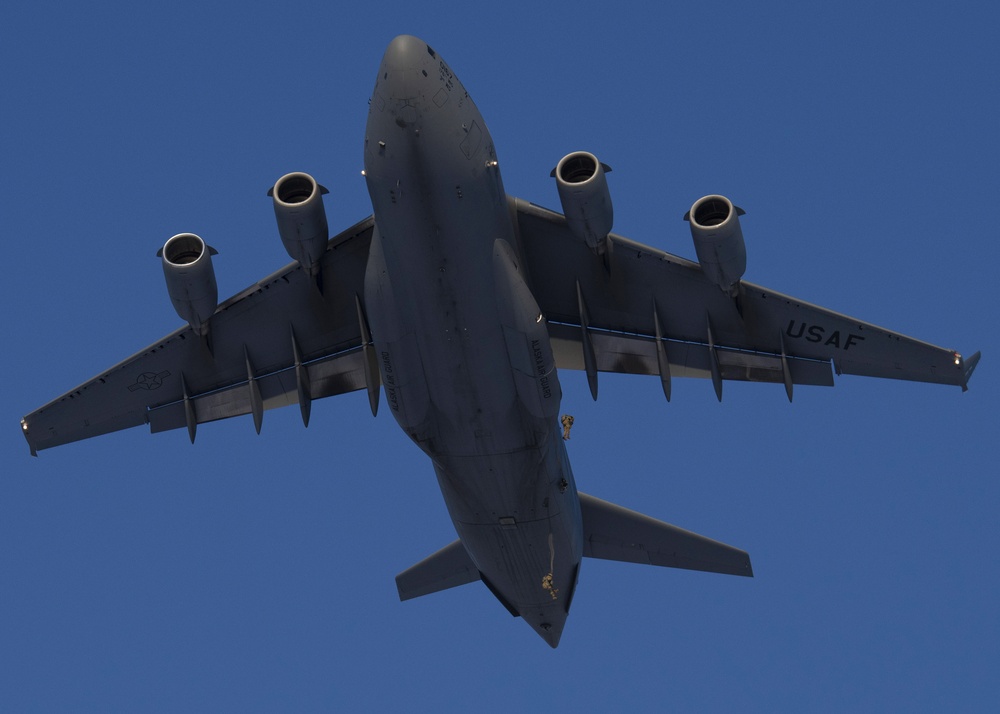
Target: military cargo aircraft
x=462, y=304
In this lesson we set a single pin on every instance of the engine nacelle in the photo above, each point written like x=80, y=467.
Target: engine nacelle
x=586, y=201
x=187, y=267
x=718, y=240
x=298, y=208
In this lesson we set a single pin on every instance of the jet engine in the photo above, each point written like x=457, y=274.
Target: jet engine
x=586, y=201
x=718, y=240
x=298, y=208
x=187, y=267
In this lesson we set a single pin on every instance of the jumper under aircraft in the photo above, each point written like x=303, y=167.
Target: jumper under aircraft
x=462, y=303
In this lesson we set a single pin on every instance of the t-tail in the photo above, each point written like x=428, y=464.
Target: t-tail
x=610, y=532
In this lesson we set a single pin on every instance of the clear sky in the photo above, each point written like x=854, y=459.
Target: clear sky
x=246, y=573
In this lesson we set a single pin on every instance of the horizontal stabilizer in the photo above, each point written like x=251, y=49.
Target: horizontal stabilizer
x=612, y=532
x=448, y=568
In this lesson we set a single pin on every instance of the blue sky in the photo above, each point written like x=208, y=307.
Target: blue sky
x=246, y=573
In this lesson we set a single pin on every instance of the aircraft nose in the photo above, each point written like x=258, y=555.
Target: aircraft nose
x=406, y=52
x=406, y=69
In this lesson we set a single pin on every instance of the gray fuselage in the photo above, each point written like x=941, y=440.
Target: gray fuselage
x=463, y=350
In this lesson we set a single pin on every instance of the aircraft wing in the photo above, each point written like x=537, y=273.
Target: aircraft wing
x=606, y=313
x=277, y=343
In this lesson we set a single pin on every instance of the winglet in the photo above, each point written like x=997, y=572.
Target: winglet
x=24, y=430
x=969, y=367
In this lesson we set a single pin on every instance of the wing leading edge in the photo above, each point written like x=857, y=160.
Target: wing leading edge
x=639, y=310
x=277, y=343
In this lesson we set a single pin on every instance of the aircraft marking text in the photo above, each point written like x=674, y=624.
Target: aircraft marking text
x=817, y=333
x=540, y=368
x=390, y=382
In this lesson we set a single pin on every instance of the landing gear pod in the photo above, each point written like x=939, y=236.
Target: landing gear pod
x=187, y=267
x=718, y=240
x=586, y=201
x=298, y=208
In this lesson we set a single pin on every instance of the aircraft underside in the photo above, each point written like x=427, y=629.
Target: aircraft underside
x=458, y=303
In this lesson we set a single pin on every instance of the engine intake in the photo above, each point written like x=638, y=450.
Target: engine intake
x=298, y=209
x=187, y=267
x=718, y=240
x=586, y=201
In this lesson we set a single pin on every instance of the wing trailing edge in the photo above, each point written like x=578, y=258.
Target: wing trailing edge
x=639, y=354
